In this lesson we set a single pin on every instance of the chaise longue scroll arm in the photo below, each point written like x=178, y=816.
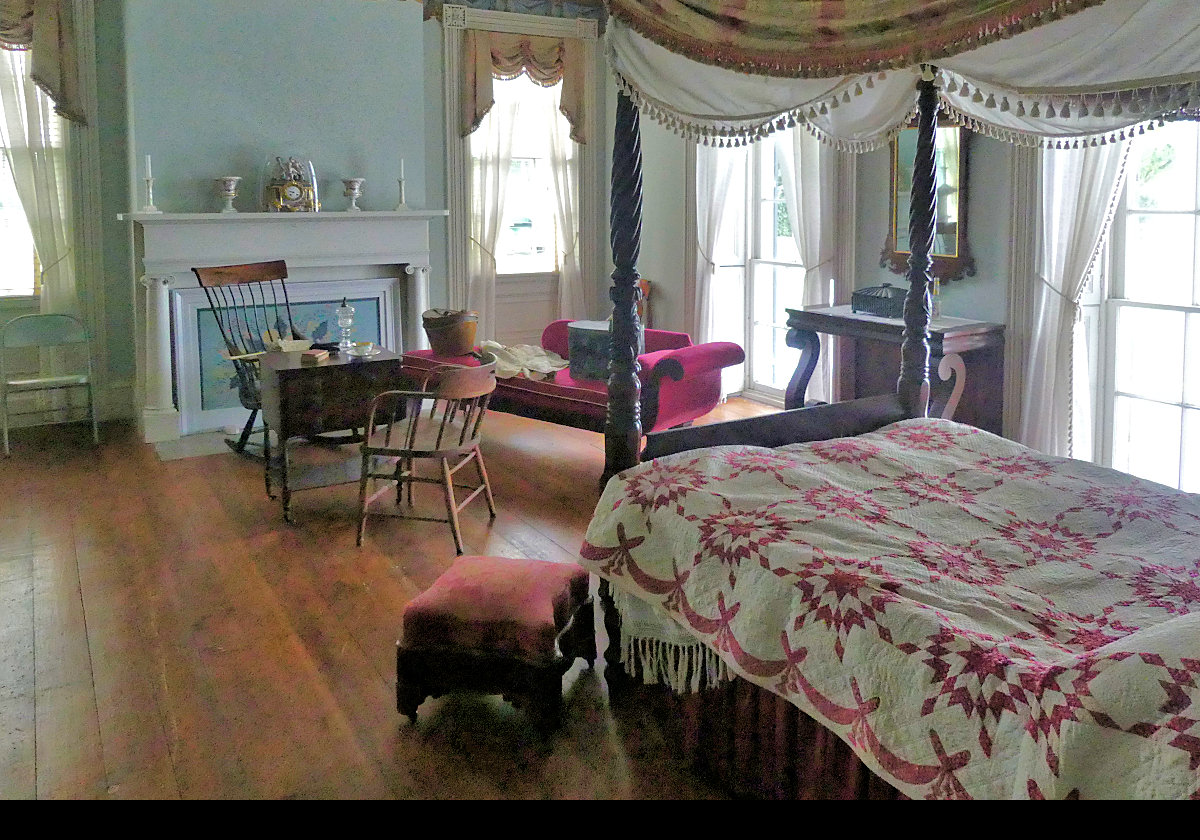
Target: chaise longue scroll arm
x=696, y=369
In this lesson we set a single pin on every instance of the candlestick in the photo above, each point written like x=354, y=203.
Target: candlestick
x=150, y=208
x=403, y=205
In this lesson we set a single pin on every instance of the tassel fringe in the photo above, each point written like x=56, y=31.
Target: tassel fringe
x=682, y=668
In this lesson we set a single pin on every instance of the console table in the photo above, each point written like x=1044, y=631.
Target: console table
x=307, y=400
x=970, y=352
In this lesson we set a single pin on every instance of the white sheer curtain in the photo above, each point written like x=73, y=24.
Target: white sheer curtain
x=720, y=207
x=491, y=159
x=1079, y=191
x=715, y=171
x=564, y=167
x=31, y=135
x=807, y=189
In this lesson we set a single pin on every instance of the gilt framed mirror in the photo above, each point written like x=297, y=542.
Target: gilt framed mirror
x=952, y=258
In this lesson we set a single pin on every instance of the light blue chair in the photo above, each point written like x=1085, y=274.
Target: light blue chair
x=44, y=331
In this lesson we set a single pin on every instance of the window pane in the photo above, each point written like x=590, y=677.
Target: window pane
x=1159, y=258
x=1191, y=451
x=1149, y=353
x=16, y=242
x=527, y=234
x=1191, y=383
x=775, y=288
x=1146, y=439
x=1162, y=169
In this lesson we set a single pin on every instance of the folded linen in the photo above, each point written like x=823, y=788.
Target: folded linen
x=526, y=360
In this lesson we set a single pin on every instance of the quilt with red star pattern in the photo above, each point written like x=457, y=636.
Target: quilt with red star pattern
x=974, y=618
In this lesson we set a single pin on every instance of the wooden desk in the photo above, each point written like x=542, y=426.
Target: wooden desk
x=306, y=400
x=869, y=357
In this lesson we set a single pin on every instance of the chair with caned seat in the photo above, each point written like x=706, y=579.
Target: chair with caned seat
x=442, y=422
x=43, y=331
x=251, y=306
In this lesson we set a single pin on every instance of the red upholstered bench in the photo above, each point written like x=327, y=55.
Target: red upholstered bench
x=497, y=625
x=680, y=382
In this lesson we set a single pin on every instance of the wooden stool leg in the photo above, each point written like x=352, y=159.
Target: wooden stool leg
x=410, y=692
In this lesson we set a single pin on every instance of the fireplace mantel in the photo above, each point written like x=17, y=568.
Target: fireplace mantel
x=318, y=248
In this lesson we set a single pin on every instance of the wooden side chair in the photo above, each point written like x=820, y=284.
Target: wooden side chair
x=442, y=422
x=47, y=330
x=250, y=303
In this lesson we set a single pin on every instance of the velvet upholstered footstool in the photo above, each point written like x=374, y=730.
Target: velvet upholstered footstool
x=497, y=625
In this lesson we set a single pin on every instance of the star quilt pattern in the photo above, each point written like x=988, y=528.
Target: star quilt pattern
x=974, y=618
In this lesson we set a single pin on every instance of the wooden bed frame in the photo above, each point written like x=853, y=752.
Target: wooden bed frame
x=755, y=743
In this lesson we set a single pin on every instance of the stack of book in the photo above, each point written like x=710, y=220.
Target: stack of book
x=314, y=356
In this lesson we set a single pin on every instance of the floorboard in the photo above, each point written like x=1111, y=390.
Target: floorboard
x=165, y=635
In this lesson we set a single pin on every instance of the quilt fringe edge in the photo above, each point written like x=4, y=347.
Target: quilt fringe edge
x=683, y=668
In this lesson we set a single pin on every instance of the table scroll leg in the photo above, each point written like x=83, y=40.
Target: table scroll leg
x=285, y=491
x=952, y=364
x=809, y=345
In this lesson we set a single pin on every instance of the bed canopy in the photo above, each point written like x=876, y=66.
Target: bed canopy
x=1051, y=73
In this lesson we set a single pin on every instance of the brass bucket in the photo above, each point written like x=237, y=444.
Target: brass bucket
x=451, y=332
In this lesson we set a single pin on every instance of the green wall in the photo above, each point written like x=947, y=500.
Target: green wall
x=984, y=296
x=219, y=87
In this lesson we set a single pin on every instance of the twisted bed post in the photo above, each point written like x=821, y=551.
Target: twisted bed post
x=913, y=385
x=623, y=422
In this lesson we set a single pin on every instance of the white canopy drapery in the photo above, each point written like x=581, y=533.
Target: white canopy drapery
x=1087, y=77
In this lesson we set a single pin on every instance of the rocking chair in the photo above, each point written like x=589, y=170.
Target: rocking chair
x=250, y=303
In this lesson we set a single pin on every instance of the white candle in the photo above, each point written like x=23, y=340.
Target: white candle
x=402, y=168
x=149, y=172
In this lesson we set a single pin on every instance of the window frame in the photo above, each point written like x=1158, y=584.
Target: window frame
x=1109, y=296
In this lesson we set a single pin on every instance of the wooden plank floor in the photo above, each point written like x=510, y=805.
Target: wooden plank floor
x=163, y=634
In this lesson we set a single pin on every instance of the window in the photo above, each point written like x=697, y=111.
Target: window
x=528, y=235
x=18, y=260
x=759, y=273
x=1151, y=416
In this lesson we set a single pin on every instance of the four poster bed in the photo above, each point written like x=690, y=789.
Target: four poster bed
x=863, y=601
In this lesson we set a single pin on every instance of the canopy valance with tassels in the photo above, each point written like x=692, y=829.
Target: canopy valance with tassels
x=839, y=37
x=47, y=29
x=545, y=59
x=1093, y=75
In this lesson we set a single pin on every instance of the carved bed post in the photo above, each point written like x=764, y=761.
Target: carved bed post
x=623, y=424
x=913, y=385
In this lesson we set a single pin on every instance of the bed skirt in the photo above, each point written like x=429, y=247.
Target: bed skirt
x=755, y=744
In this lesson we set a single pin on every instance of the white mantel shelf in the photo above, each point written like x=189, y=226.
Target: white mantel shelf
x=319, y=248
x=322, y=216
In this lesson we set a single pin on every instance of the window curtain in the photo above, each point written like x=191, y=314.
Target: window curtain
x=31, y=135
x=564, y=167
x=719, y=296
x=715, y=171
x=808, y=191
x=47, y=29
x=491, y=160
x=504, y=55
x=1080, y=188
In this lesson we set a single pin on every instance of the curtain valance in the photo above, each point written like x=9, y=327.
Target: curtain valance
x=545, y=59
x=47, y=29
x=824, y=38
x=1091, y=77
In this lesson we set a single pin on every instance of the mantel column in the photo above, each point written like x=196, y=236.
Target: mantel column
x=160, y=418
x=416, y=301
